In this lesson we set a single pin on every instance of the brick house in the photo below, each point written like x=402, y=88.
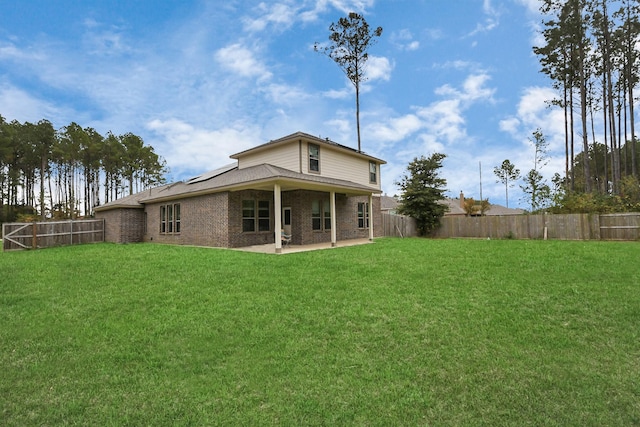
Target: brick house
x=314, y=189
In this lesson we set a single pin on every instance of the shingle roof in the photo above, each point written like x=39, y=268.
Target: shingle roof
x=494, y=210
x=388, y=203
x=259, y=176
x=315, y=139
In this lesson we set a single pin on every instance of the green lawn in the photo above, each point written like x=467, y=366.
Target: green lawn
x=400, y=332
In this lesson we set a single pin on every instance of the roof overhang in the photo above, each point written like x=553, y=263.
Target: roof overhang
x=310, y=138
x=118, y=206
x=268, y=184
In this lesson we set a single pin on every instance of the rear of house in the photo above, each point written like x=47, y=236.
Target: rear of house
x=312, y=189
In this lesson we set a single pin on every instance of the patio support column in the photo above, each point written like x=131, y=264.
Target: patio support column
x=277, y=207
x=332, y=202
x=371, y=216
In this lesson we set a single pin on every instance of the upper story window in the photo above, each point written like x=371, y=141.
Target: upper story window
x=314, y=158
x=373, y=173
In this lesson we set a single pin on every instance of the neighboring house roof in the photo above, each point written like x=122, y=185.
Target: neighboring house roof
x=388, y=203
x=494, y=210
x=314, y=139
x=453, y=206
x=229, y=178
x=501, y=210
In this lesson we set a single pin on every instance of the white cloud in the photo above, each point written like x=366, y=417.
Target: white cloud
x=378, y=68
x=492, y=19
x=187, y=148
x=404, y=40
x=9, y=51
x=104, y=40
x=241, y=60
x=395, y=129
x=338, y=94
x=280, y=15
x=284, y=94
x=510, y=125
x=22, y=106
x=444, y=120
x=533, y=6
x=473, y=89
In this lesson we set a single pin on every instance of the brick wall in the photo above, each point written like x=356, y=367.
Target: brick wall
x=346, y=217
x=123, y=225
x=238, y=238
x=203, y=221
x=216, y=220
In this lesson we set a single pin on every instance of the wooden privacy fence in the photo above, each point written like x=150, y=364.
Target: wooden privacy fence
x=34, y=235
x=624, y=226
x=399, y=225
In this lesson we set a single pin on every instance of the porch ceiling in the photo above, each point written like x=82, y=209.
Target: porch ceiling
x=293, y=184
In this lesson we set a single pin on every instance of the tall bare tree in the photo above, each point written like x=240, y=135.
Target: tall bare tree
x=350, y=39
x=507, y=174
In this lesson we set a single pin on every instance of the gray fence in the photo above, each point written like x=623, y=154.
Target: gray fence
x=34, y=235
x=624, y=226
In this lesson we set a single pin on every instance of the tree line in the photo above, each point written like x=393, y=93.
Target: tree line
x=590, y=52
x=66, y=173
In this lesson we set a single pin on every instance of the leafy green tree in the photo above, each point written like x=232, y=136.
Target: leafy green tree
x=72, y=161
x=422, y=190
x=535, y=187
x=507, y=173
x=350, y=39
x=537, y=191
x=474, y=207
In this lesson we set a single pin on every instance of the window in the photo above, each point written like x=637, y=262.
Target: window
x=248, y=215
x=314, y=158
x=263, y=215
x=256, y=215
x=320, y=215
x=327, y=215
x=373, y=172
x=170, y=218
x=363, y=215
x=316, y=221
x=176, y=215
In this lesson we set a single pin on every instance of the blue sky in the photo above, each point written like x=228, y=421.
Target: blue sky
x=201, y=80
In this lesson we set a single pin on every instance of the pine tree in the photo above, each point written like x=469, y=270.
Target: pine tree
x=422, y=190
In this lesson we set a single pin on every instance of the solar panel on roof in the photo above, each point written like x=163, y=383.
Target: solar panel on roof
x=212, y=174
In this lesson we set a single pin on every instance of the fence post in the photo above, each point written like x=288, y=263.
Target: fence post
x=71, y=232
x=34, y=241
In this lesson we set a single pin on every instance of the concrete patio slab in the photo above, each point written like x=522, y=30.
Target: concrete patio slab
x=290, y=249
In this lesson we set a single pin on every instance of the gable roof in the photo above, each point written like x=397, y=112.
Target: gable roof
x=388, y=203
x=262, y=176
x=316, y=140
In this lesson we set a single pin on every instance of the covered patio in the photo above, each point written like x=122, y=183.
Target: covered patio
x=290, y=249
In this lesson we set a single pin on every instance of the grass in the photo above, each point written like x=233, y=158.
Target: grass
x=401, y=332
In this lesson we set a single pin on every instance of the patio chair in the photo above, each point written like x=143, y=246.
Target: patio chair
x=286, y=238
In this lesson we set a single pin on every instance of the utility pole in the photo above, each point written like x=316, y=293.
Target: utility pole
x=480, y=164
